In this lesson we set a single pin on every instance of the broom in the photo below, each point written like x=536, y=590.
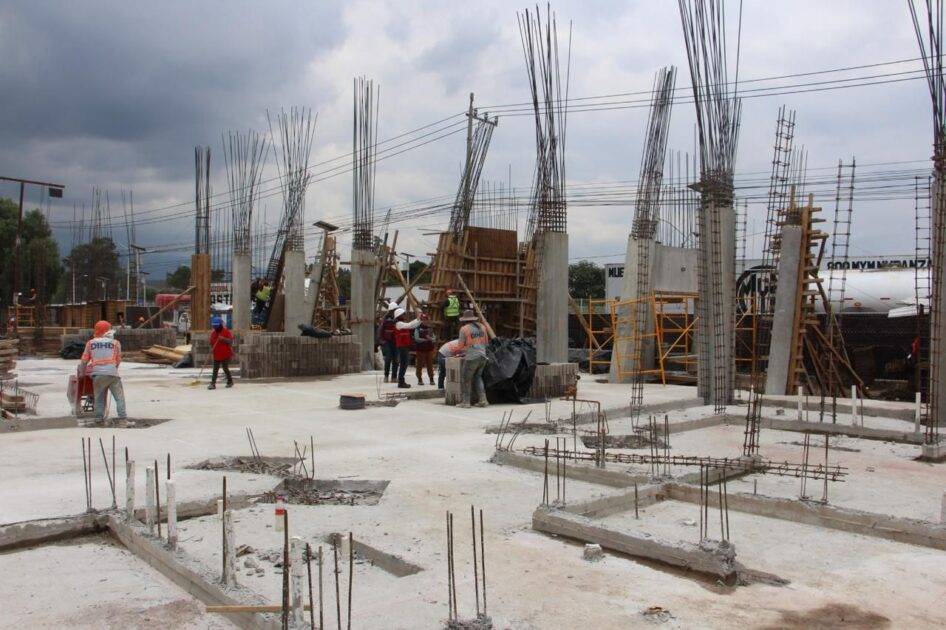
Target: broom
x=196, y=381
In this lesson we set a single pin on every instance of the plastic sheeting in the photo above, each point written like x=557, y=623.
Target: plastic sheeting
x=511, y=369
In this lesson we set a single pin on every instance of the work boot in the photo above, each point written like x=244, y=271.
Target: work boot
x=229, y=383
x=420, y=381
x=386, y=380
x=482, y=403
x=464, y=405
x=403, y=385
x=212, y=386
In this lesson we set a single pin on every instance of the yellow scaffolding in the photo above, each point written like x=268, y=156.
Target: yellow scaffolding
x=674, y=325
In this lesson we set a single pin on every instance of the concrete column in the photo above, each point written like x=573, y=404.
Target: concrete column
x=242, y=305
x=552, y=298
x=364, y=275
x=294, y=291
x=296, y=570
x=937, y=385
x=150, y=502
x=130, y=490
x=624, y=354
x=229, y=543
x=172, y=513
x=778, y=378
x=715, y=328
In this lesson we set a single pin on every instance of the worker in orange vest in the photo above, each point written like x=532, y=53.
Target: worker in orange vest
x=100, y=359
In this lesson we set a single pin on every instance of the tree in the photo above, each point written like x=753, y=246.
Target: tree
x=98, y=275
x=586, y=280
x=39, y=264
x=180, y=278
x=344, y=284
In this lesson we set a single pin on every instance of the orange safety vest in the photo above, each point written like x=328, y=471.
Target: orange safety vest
x=102, y=356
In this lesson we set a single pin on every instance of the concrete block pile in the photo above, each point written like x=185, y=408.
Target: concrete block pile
x=268, y=355
x=553, y=380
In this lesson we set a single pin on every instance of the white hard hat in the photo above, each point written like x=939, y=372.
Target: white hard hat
x=392, y=306
x=398, y=313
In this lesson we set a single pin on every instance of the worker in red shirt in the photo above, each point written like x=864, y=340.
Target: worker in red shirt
x=221, y=346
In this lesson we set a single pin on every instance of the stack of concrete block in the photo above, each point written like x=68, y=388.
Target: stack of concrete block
x=9, y=349
x=272, y=355
x=131, y=339
x=452, y=393
x=553, y=380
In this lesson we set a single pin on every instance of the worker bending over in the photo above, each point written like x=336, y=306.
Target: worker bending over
x=402, y=340
x=450, y=349
x=221, y=347
x=100, y=359
x=473, y=340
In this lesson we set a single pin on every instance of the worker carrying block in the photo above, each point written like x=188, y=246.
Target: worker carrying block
x=100, y=359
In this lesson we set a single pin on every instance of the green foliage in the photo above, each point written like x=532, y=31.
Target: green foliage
x=39, y=267
x=586, y=280
x=180, y=278
x=344, y=284
x=98, y=274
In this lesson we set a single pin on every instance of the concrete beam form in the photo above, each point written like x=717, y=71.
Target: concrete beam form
x=899, y=529
x=830, y=428
x=710, y=557
x=395, y=565
x=364, y=274
x=551, y=339
x=187, y=574
x=241, y=299
x=294, y=311
x=47, y=530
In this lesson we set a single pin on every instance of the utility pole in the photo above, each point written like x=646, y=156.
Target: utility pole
x=55, y=190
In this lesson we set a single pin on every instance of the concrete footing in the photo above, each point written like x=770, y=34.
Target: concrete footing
x=934, y=452
x=552, y=299
x=553, y=380
x=241, y=298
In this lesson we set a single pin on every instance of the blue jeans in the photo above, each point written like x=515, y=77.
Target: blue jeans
x=102, y=384
x=441, y=370
x=389, y=351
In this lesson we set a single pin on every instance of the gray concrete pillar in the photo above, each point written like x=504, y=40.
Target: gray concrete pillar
x=241, y=298
x=552, y=298
x=364, y=274
x=937, y=357
x=624, y=354
x=294, y=291
x=717, y=303
x=778, y=377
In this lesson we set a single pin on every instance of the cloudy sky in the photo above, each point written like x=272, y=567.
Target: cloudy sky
x=117, y=94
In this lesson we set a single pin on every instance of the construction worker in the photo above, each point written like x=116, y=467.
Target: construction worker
x=402, y=341
x=100, y=359
x=261, y=298
x=451, y=314
x=424, y=350
x=384, y=337
x=473, y=340
x=452, y=348
x=221, y=347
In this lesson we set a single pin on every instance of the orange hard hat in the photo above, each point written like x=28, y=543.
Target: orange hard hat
x=101, y=327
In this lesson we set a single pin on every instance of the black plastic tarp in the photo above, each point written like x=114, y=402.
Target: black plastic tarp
x=72, y=350
x=508, y=376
